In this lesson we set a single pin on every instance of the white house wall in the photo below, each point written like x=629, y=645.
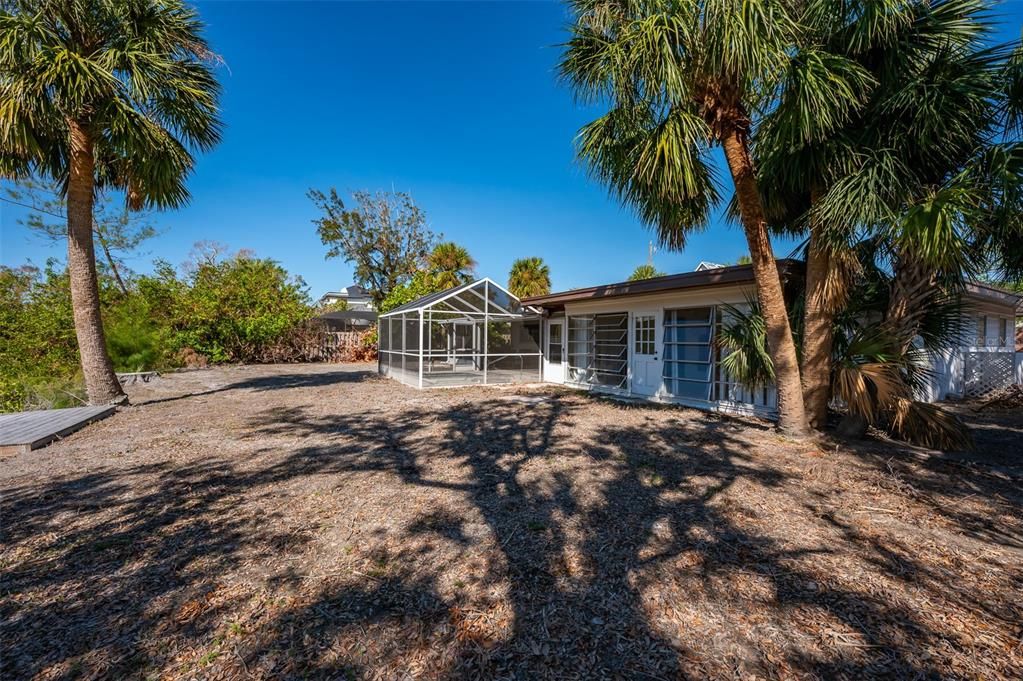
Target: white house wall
x=948, y=369
x=951, y=370
x=765, y=403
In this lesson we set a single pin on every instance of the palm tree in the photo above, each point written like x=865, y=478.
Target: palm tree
x=835, y=173
x=529, y=277
x=104, y=94
x=450, y=265
x=679, y=77
x=645, y=271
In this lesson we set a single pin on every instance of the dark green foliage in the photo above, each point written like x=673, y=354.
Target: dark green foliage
x=38, y=349
x=239, y=309
x=231, y=310
x=743, y=337
x=645, y=271
x=421, y=284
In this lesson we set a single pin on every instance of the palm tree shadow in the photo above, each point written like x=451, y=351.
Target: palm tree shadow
x=574, y=553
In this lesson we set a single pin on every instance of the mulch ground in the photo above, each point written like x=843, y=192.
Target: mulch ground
x=321, y=522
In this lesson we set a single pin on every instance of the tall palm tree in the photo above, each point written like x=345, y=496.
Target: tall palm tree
x=104, y=94
x=529, y=277
x=835, y=173
x=677, y=78
x=450, y=265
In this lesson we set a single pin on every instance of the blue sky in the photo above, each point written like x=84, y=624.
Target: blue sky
x=456, y=103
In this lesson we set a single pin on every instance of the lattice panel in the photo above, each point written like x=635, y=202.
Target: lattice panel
x=986, y=371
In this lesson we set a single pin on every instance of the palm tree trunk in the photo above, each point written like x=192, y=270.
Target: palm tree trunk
x=818, y=334
x=791, y=412
x=101, y=382
x=912, y=288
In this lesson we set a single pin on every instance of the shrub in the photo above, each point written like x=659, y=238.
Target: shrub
x=235, y=310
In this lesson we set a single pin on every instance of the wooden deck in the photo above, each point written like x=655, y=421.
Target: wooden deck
x=30, y=430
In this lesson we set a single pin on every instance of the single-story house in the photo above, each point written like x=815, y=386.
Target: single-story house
x=652, y=339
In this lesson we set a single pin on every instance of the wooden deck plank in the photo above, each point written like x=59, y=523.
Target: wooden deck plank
x=27, y=430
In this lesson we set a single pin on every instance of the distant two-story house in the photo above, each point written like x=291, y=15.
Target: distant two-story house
x=358, y=298
x=360, y=315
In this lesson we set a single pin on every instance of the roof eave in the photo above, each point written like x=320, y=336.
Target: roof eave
x=736, y=274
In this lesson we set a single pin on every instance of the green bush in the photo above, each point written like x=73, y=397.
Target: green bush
x=242, y=309
x=38, y=349
x=421, y=284
x=236, y=309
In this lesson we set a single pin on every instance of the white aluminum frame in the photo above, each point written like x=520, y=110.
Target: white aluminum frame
x=438, y=310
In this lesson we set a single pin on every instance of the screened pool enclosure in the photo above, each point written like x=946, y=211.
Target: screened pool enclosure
x=473, y=334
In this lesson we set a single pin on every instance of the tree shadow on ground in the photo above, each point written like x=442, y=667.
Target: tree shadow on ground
x=944, y=481
x=587, y=556
x=271, y=382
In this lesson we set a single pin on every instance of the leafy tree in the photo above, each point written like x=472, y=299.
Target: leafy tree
x=450, y=265
x=678, y=77
x=421, y=284
x=385, y=236
x=339, y=305
x=529, y=277
x=645, y=271
x=232, y=309
x=97, y=95
x=118, y=231
x=38, y=351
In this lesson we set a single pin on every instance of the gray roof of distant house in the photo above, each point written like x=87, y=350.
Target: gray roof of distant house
x=349, y=315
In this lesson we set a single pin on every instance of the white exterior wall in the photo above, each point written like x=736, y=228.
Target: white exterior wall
x=737, y=295
x=950, y=376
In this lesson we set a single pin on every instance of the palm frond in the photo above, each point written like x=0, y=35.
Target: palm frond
x=144, y=86
x=868, y=371
x=928, y=425
x=742, y=337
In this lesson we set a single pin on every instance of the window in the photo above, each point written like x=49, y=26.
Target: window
x=645, y=328
x=556, y=346
x=687, y=352
x=981, y=331
x=597, y=349
x=1003, y=332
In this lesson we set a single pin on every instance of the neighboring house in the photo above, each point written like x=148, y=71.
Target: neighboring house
x=987, y=356
x=357, y=298
x=348, y=320
x=707, y=265
x=651, y=339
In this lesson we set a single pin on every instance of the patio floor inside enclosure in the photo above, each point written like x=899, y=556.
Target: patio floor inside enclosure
x=473, y=334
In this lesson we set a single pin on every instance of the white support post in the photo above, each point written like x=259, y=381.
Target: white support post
x=420, y=348
x=540, y=348
x=486, y=328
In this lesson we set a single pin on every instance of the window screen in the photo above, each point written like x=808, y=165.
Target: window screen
x=687, y=352
x=598, y=349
